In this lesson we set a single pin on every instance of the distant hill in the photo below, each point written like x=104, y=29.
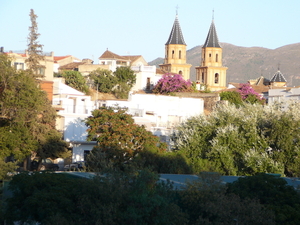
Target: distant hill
x=246, y=63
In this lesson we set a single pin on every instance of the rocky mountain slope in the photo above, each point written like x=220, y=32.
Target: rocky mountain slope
x=246, y=63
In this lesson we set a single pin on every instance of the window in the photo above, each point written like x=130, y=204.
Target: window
x=179, y=54
x=217, y=57
x=209, y=55
x=41, y=71
x=173, y=54
x=202, y=77
x=180, y=72
x=19, y=66
x=216, y=78
x=148, y=83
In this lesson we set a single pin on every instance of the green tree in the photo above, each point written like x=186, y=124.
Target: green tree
x=35, y=50
x=126, y=79
x=104, y=80
x=118, y=137
x=118, y=198
x=232, y=96
x=242, y=141
x=206, y=202
x=273, y=192
x=75, y=80
x=27, y=119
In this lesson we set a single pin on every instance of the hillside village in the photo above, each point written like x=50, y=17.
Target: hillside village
x=158, y=113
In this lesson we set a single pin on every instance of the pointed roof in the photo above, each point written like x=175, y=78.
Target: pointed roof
x=110, y=55
x=176, y=36
x=212, y=37
x=278, y=77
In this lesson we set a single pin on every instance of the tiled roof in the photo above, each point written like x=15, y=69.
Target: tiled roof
x=160, y=71
x=70, y=66
x=57, y=58
x=212, y=37
x=278, y=77
x=110, y=55
x=176, y=36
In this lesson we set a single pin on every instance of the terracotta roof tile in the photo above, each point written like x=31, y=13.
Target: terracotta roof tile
x=70, y=66
x=110, y=55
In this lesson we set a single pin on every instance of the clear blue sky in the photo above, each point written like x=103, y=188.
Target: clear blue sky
x=85, y=29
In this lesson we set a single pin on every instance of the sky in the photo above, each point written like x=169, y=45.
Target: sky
x=86, y=28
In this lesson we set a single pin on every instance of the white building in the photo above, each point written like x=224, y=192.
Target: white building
x=283, y=96
x=73, y=108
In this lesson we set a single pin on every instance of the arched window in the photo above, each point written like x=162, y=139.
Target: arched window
x=216, y=78
x=172, y=54
x=217, y=57
x=179, y=54
x=180, y=72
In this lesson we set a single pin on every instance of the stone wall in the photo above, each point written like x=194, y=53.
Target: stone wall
x=210, y=99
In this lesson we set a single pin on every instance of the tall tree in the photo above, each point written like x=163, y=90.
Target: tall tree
x=126, y=79
x=27, y=119
x=104, y=80
x=75, y=80
x=35, y=50
x=118, y=138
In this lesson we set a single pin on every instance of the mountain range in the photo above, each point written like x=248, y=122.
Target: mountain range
x=247, y=63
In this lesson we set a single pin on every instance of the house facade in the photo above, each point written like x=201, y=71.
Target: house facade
x=73, y=107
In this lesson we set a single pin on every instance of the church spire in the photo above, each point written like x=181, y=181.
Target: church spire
x=212, y=37
x=176, y=36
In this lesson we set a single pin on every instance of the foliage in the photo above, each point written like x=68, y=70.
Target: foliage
x=172, y=83
x=104, y=80
x=75, y=80
x=27, y=119
x=163, y=162
x=119, y=83
x=245, y=93
x=205, y=201
x=118, y=137
x=119, y=198
x=242, y=141
x=35, y=50
x=273, y=192
x=233, y=97
x=249, y=95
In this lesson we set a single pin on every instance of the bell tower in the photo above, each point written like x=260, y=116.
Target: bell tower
x=211, y=71
x=175, y=53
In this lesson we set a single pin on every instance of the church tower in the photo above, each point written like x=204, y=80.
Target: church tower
x=175, y=53
x=211, y=72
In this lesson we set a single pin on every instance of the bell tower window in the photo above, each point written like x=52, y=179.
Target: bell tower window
x=172, y=54
x=216, y=78
x=179, y=54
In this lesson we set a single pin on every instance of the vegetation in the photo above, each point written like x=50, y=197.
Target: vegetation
x=172, y=83
x=119, y=139
x=242, y=141
x=118, y=83
x=35, y=50
x=273, y=192
x=75, y=80
x=27, y=119
x=245, y=93
x=137, y=197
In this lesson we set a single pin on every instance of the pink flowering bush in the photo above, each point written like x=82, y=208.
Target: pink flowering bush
x=172, y=83
x=249, y=95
